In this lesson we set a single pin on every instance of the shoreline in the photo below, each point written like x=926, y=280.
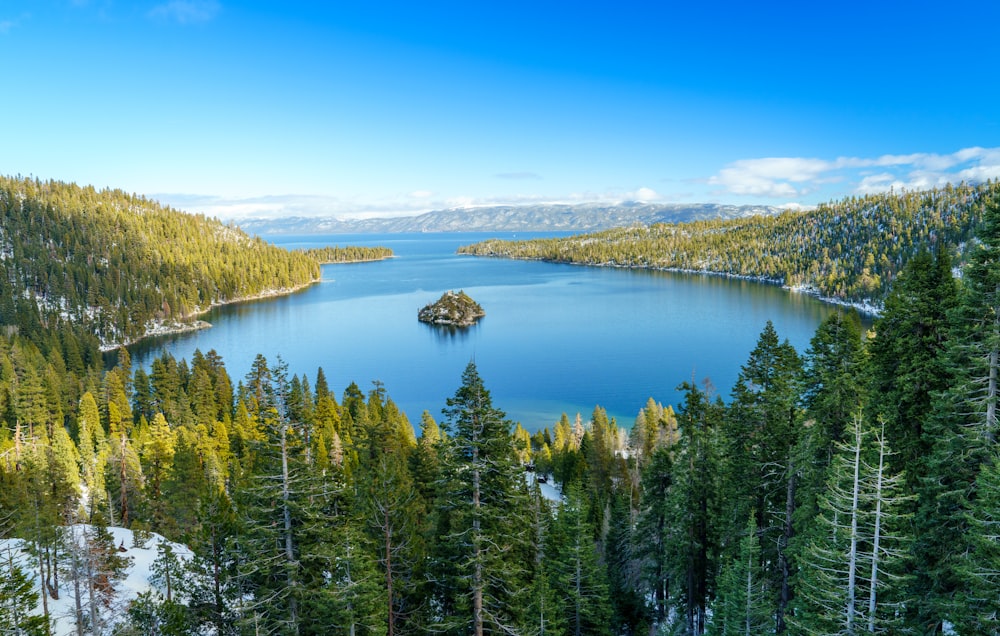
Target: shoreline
x=867, y=307
x=191, y=323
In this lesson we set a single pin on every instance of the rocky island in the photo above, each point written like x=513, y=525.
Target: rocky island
x=453, y=309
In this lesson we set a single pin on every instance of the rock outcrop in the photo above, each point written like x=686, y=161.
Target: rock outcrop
x=454, y=309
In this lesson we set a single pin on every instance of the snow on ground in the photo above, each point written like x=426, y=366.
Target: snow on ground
x=548, y=488
x=136, y=581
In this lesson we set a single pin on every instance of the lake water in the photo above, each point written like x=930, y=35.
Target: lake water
x=555, y=339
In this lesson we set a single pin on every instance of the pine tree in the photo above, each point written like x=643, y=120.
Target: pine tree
x=392, y=509
x=980, y=568
x=852, y=575
x=18, y=599
x=963, y=429
x=907, y=365
x=543, y=616
x=629, y=613
x=742, y=606
x=654, y=532
x=274, y=501
x=481, y=507
x=693, y=509
x=581, y=581
x=761, y=435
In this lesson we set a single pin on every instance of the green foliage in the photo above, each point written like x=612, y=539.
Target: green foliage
x=18, y=599
x=584, y=598
x=980, y=568
x=742, y=605
x=483, y=508
x=304, y=514
x=347, y=254
x=851, y=250
x=116, y=264
x=852, y=576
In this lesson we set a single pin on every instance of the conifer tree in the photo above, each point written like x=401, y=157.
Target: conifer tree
x=484, y=501
x=93, y=449
x=580, y=579
x=392, y=509
x=273, y=502
x=543, y=616
x=980, y=568
x=833, y=390
x=693, y=509
x=852, y=575
x=18, y=599
x=761, y=436
x=907, y=365
x=654, y=531
x=623, y=568
x=963, y=426
x=742, y=606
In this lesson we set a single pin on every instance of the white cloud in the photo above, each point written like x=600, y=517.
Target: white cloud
x=186, y=11
x=789, y=177
x=6, y=26
x=645, y=194
x=771, y=177
x=421, y=194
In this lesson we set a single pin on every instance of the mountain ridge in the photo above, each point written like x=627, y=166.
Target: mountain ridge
x=582, y=217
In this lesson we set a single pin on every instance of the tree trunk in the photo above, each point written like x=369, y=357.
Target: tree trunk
x=122, y=476
x=873, y=580
x=391, y=627
x=287, y=514
x=477, y=575
x=785, y=596
x=853, y=550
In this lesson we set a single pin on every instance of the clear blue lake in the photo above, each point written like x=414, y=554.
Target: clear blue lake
x=556, y=338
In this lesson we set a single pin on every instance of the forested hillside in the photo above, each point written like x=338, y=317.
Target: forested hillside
x=116, y=264
x=348, y=254
x=850, y=250
x=851, y=488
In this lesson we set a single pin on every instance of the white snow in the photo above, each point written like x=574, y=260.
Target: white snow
x=547, y=487
x=134, y=583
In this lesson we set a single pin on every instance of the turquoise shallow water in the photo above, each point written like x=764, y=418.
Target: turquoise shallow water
x=556, y=338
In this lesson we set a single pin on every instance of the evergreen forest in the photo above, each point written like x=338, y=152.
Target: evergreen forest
x=348, y=254
x=110, y=265
x=849, y=251
x=851, y=488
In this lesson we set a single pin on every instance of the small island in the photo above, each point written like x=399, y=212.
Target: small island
x=453, y=309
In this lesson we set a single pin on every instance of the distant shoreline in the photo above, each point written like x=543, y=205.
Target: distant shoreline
x=867, y=307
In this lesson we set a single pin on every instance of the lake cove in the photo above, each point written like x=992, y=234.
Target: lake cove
x=556, y=338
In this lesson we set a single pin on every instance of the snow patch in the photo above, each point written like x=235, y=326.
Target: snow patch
x=135, y=582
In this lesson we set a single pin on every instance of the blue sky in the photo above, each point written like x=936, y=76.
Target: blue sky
x=373, y=108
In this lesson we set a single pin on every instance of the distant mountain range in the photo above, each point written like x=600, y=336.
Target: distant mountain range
x=529, y=218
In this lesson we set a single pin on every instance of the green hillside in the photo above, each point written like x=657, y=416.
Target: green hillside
x=118, y=264
x=849, y=251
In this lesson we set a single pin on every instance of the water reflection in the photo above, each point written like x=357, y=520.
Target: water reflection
x=450, y=333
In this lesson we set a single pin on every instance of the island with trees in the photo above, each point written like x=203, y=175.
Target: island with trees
x=453, y=309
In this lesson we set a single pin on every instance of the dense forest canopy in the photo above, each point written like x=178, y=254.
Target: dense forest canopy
x=117, y=264
x=348, y=253
x=850, y=250
x=851, y=488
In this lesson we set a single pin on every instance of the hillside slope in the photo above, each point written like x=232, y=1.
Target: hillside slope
x=848, y=251
x=121, y=265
